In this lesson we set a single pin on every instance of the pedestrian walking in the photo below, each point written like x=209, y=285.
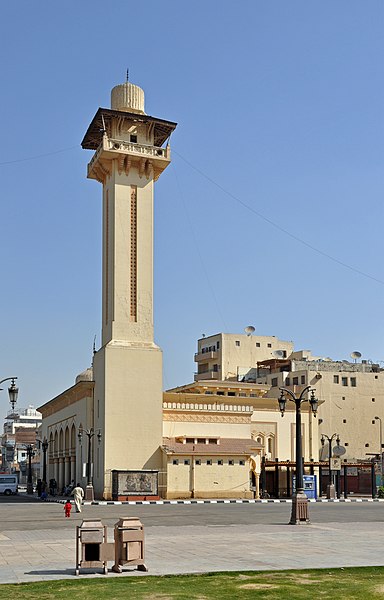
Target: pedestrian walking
x=67, y=508
x=78, y=495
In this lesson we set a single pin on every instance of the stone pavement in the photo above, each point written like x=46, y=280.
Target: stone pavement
x=46, y=554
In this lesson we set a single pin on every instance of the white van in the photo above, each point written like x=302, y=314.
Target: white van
x=8, y=484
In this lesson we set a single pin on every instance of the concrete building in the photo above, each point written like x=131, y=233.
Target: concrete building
x=19, y=430
x=351, y=396
x=232, y=356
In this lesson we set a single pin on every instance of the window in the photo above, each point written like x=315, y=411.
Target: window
x=186, y=462
x=215, y=368
x=220, y=393
x=295, y=381
x=208, y=392
x=231, y=393
x=190, y=440
x=242, y=463
x=274, y=382
x=231, y=462
x=198, y=461
x=220, y=462
x=253, y=395
x=201, y=440
x=209, y=461
x=212, y=441
x=288, y=381
x=133, y=138
x=373, y=400
x=353, y=381
x=344, y=420
x=218, y=345
x=376, y=377
x=269, y=345
x=344, y=381
x=303, y=379
x=175, y=461
x=237, y=343
x=257, y=344
x=335, y=379
x=346, y=444
x=367, y=445
x=243, y=394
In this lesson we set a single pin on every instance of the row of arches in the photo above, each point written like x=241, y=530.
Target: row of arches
x=65, y=456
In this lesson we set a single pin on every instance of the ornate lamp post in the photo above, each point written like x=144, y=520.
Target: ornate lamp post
x=44, y=446
x=330, y=486
x=299, y=499
x=89, y=494
x=381, y=446
x=13, y=390
x=30, y=453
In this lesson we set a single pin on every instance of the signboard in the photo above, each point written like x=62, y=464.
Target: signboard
x=339, y=451
x=335, y=464
x=134, y=483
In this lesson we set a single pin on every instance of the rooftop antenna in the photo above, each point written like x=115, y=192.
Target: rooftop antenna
x=249, y=330
x=127, y=75
x=355, y=355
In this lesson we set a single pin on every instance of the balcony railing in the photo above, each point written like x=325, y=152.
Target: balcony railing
x=124, y=147
x=207, y=375
x=200, y=356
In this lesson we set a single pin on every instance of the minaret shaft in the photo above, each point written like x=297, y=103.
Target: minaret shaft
x=127, y=258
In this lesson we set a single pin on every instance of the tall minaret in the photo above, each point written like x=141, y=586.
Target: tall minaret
x=129, y=157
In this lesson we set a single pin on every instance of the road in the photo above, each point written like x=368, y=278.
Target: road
x=21, y=513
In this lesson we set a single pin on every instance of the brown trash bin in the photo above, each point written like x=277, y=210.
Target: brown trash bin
x=92, y=549
x=129, y=544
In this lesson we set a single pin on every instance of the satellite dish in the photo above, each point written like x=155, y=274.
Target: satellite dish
x=278, y=353
x=249, y=329
x=355, y=355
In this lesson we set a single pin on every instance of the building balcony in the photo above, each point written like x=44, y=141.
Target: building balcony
x=207, y=375
x=203, y=356
x=148, y=158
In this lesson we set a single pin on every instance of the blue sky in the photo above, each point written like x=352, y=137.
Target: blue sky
x=271, y=213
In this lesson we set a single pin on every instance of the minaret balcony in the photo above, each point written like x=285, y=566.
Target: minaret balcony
x=147, y=158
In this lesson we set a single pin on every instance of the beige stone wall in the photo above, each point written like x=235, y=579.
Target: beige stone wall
x=131, y=414
x=209, y=479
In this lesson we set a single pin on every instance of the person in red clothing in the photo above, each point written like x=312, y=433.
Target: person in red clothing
x=67, y=508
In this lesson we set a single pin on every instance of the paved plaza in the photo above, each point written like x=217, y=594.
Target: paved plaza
x=38, y=543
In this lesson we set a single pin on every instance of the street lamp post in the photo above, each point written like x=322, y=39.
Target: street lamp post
x=330, y=486
x=13, y=392
x=30, y=453
x=89, y=493
x=299, y=512
x=44, y=446
x=381, y=446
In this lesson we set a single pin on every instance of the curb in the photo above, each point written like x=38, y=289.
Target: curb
x=173, y=502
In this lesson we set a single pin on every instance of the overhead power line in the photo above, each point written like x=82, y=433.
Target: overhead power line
x=277, y=226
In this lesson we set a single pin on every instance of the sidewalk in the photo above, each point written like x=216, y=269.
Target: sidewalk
x=49, y=554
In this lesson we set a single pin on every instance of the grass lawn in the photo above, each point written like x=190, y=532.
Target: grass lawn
x=350, y=583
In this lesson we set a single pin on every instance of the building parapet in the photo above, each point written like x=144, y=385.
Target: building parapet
x=207, y=407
